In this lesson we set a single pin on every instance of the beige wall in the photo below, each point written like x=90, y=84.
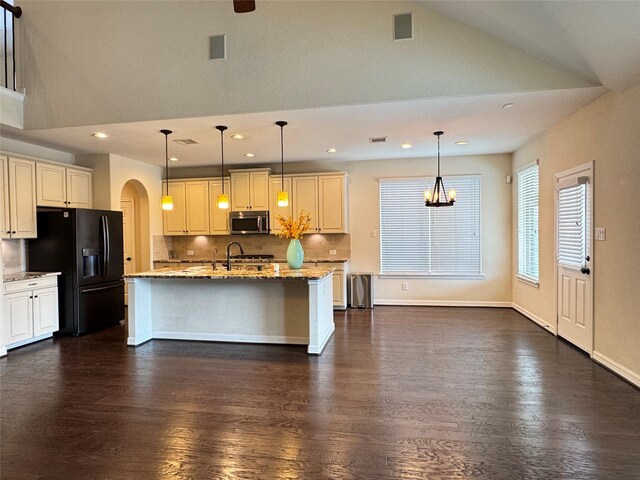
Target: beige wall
x=607, y=132
x=92, y=62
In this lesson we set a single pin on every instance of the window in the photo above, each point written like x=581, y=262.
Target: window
x=418, y=240
x=528, y=224
x=573, y=237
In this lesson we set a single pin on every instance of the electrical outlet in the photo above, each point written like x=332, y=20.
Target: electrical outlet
x=405, y=285
x=332, y=252
x=601, y=234
x=190, y=252
x=373, y=233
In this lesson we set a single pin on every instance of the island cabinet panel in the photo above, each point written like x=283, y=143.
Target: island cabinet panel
x=197, y=207
x=332, y=204
x=275, y=186
x=250, y=189
x=218, y=217
x=5, y=231
x=175, y=222
x=60, y=186
x=79, y=188
x=305, y=197
x=22, y=198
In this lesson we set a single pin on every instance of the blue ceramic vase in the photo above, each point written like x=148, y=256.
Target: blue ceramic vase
x=295, y=254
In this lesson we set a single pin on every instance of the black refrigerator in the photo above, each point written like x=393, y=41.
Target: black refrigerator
x=86, y=246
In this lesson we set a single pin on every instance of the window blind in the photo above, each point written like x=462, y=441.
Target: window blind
x=572, y=226
x=415, y=239
x=528, y=254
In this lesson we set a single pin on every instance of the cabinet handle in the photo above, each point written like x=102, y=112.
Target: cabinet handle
x=35, y=296
x=31, y=296
x=32, y=284
x=8, y=231
x=14, y=232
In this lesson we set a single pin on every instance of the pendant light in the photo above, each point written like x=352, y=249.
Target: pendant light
x=438, y=196
x=283, y=196
x=167, y=200
x=223, y=198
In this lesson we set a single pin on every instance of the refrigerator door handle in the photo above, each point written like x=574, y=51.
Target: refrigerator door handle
x=104, y=246
x=108, y=245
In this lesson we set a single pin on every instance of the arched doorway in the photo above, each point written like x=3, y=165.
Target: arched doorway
x=134, y=203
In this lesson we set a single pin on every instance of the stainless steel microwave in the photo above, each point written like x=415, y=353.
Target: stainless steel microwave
x=252, y=222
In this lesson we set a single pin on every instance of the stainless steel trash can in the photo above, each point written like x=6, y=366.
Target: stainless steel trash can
x=361, y=290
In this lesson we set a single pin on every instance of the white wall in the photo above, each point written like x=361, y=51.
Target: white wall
x=92, y=63
x=607, y=132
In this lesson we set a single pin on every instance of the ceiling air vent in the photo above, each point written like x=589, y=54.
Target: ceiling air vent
x=377, y=139
x=185, y=141
x=403, y=26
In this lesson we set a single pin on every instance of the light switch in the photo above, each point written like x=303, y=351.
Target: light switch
x=405, y=286
x=332, y=252
x=373, y=233
x=189, y=252
x=601, y=234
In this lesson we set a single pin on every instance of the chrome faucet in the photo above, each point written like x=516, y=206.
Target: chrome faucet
x=215, y=255
x=229, y=255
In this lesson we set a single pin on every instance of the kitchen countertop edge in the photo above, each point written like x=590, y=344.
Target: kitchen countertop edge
x=22, y=276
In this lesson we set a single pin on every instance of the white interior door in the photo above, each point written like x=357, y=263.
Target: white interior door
x=573, y=257
x=129, y=239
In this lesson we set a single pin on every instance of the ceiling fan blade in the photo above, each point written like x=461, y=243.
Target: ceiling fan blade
x=242, y=6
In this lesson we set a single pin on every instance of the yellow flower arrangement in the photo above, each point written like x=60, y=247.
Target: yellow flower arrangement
x=293, y=228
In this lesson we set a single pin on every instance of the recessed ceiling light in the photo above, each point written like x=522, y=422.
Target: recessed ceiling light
x=174, y=159
x=331, y=150
x=99, y=134
x=405, y=145
x=507, y=105
x=462, y=142
x=238, y=136
x=249, y=154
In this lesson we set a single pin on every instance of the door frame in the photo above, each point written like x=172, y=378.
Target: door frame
x=587, y=169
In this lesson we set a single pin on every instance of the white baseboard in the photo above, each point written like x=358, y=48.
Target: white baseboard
x=441, y=303
x=624, y=372
x=222, y=337
x=323, y=343
x=22, y=343
x=534, y=318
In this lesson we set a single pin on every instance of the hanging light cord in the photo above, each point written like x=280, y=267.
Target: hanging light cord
x=222, y=128
x=438, y=155
x=282, y=156
x=166, y=134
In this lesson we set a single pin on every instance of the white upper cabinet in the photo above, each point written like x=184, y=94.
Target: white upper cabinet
x=60, y=186
x=305, y=197
x=218, y=217
x=250, y=189
x=22, y=198
x=332, y=204
x=190, y=214
x=274, y=209
x=324, y=198
x=5, y=231
x=79, y=188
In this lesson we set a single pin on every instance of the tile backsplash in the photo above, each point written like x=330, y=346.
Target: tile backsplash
x=315, y=246
x=14, y=254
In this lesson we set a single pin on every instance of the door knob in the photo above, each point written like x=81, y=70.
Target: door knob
x=128, y=259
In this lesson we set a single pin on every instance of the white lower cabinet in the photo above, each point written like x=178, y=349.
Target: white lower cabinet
x=339, y=282
x=30, y=311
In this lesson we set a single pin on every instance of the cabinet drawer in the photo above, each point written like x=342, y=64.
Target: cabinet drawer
x=30, y=284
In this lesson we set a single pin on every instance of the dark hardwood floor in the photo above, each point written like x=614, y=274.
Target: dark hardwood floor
x=400, y=392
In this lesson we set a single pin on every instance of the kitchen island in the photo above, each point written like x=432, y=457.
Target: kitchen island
x=240, y=305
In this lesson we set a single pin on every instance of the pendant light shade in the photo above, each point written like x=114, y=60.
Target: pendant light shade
x=223, y=198
x=282, y=196
x=438, y=196
x=167, y=200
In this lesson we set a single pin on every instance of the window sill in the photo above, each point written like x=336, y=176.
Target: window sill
x=528, y=281
x=476, y=276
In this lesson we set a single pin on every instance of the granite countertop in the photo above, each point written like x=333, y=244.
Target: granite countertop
x=252, y=260
x=234, y=274
x=19, y=276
